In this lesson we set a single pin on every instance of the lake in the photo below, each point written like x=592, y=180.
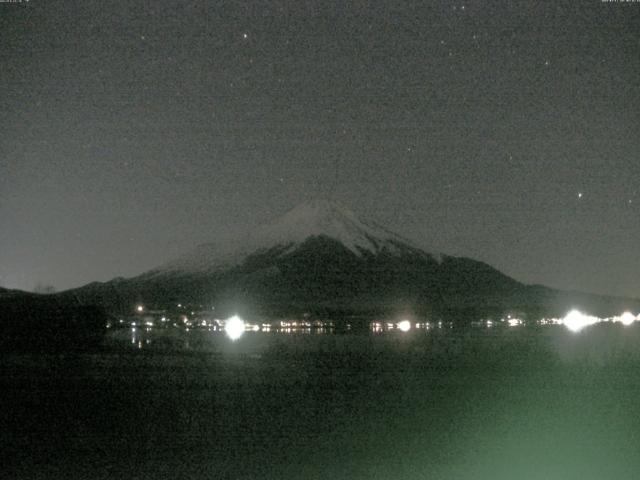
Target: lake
x=505, y=403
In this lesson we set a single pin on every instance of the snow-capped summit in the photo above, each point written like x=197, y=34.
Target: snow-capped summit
x=333, y=220
x=310, y=219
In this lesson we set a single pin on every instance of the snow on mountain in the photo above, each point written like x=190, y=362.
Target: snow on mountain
x=321, y=217
x=314, y=218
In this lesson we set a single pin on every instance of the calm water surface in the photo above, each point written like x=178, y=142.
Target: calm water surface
x=521, y=403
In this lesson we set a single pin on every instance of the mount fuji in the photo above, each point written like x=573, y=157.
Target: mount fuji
x=322, y=258
x=315, y=219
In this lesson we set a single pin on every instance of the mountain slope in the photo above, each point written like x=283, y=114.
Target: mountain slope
x=312, y=219
x=320, y=257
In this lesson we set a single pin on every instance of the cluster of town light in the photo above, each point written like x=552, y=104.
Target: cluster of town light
x=576, y=320
x=404, y=325
x=234, y=327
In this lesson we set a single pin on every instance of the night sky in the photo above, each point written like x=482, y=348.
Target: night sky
x=504, y=131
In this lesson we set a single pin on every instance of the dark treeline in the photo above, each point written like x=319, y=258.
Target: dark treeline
x=44, y=323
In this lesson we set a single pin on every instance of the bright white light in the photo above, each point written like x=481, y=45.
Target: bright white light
x=514, y=322
x=404, y=325
x=576, y=321
x=627, y=318
x=140, y=308
x=234, y=327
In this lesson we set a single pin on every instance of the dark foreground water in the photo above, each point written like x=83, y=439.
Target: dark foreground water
x=502, y=404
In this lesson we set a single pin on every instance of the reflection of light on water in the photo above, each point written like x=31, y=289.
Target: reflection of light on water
x=627, y=318
x=141, y=334
x=234, y=327
x=576, y=320
x=550, y=321
x=404, y=325
x=376, y=327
